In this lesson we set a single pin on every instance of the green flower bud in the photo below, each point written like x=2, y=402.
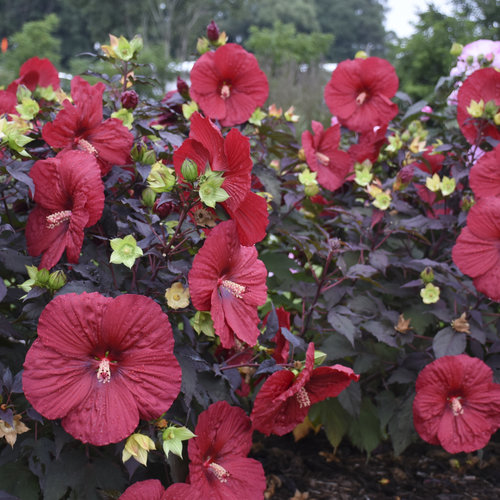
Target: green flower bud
x=138, y=446
x=148, y=197
x=148, y=157
x=42, y=277
x=210, y=189
x=202, y=45
x=57, y=280
x=427, y=275
x=363, y=174
x=306, y=177
x=456, y=49
x=189, y=170
x=202, y=323
x=311, y=190
x=490, y=109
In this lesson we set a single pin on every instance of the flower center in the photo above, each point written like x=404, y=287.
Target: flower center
x=57, y=218
x=456, y=406
x=234, y=288
x=225, y=91
x=322, y=158
x=361, y=98
x=220, y=473
x=86, y=146
x=104, y=372
x=303, y=398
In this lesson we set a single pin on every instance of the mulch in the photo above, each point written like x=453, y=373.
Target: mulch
x=308, y=470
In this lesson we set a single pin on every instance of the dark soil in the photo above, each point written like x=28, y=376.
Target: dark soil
x=307, y=470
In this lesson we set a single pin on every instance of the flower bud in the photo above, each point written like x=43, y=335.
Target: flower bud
x=149, y=157
x=163, y=209
x=490, y=109
x=456, y=49
x=189, y=170
x=129, y=99
x=182, y=88
x=213, y=31
x=57, y=280
x=42, y=277
x=148, y=197
x=427, y=275
x=311, y=190
x=202, y=45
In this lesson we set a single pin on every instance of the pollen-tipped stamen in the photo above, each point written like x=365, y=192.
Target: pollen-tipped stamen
x=234, y=288
x=87, y=147
x=225, y=91
x=456, y=406
x=104, y=372
x=361, y=98
x=57, y=218
x=220, y=473
x=303, y=398
x=322, y=158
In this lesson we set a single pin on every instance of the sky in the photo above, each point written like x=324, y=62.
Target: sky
x=402, y=13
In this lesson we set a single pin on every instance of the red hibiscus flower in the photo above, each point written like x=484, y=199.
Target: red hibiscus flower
x=482, y=85
x=369, y=145
x=69, y=196
x=484, y=176
x=228, y=280
x=80, y=126
x=359, y=93
x=431, y=162
x=324, y=156
x=151, y=489
x=228, y=84
x=457, y=404
x=282, y=348
x=37, y=72
x=100, y=364
x=220, y=468
x=477, y=250
x=230, y=155
x=285, y=398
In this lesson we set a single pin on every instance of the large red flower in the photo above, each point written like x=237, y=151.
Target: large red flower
x=359, y=93
x=228, y=280
x=34, y=73
x=151, y=489
x=482, y=85
x=80, y=125
x=484, y=176
x=431, y=162
x=100, y=364
x=457, y=404
x=220, y=468
x=228, y=84
x=230, y=155
x=69, y=196
x=369, y=145
x=324, y=156
x=285, y=398
x=477, y=250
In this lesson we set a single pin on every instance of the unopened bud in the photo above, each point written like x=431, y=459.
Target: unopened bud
x=148, y=197
x=311, y=190
x=42, y=277
x=57, y=280
x=213, y=31
x=456, y=49
x=182, y=88
x=129, y=99
x=491, y=109
x=203, y=45
x=149, y=157
x=189, y=170
x=427, y=275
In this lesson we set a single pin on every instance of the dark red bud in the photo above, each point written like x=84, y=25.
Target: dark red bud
x=163, y=209
x=129, y=99
x=212, y=31
x=182, y=88
x=406, y=174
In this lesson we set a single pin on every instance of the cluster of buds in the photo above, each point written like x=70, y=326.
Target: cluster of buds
x=41, y=278
x=214, y=38
x=488, y=111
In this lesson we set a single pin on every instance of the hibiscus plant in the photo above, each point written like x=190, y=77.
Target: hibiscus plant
x=183, y=276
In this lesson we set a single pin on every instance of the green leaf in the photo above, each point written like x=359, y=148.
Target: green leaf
x=17, y=480
x=350, y=399
x=364, y=431
x=448, y=342
x=333, y=417
x=401, y=428
x=343, y=325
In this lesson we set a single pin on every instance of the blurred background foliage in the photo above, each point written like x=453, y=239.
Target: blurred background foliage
x=292, y=39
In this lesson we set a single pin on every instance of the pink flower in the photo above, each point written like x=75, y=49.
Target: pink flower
x=324, y=156
x=359, y=93
x=151, y=489
x=69, y=196
x=284, y=400
x=80, y=125
x=477, y=250
x=231, y=155
x=228, y=280
x=219, y=468
x=228, y=84
x=100, y=364
x=457, y=404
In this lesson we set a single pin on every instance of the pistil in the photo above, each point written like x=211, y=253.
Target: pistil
x=303, y=398
x=220, y=473
x=234, y=288
x=104, y=372
x=57, y=218
x=322, y=158
x=456, y=406
x=225, y=91
x=87, y=147
x=361, y=98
